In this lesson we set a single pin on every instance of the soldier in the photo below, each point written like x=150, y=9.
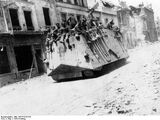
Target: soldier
x=72, y=22
x=110, y=25
x=84, y=23
x=117, y=31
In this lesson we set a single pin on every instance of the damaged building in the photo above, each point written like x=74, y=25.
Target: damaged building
x=146, y=16
x=137, y=24
x=21, y=38
x=127, y=25
x=158, y=27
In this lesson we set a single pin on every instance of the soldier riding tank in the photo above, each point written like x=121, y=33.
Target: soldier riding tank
x=75, y=49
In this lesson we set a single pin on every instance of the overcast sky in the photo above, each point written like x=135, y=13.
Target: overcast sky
x=155, y=4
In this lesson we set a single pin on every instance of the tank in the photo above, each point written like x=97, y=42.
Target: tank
x=81, y=52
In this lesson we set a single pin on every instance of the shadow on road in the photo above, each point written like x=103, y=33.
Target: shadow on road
x=113, y=66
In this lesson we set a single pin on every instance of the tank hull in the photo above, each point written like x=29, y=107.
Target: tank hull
x=73, y=55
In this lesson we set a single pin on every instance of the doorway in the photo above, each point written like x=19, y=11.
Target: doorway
x=24, y=57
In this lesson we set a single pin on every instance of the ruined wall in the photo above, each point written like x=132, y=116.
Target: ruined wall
x=128, y=28
x=139, y=26
x=151, y=34
x=158, y=27
x=145, y=26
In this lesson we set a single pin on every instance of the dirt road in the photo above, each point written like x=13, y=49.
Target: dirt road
x=132, y=89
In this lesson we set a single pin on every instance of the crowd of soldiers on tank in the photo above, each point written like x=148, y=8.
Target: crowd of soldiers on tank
x=71, y=26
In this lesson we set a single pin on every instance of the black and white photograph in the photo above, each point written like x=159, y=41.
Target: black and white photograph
x=79, y=58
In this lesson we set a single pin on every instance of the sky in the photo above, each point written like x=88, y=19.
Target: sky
x=155, y=4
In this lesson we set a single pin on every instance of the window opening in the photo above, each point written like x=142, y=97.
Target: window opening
x=63, y=16
x=75, y=2
x=28, y=18
x=46, y=16
x=14, y=19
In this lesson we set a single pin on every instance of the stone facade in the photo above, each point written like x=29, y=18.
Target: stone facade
x=127, y=25
x=137, y=24
x=158, y=27
x=47, y=7
x=150, y=33
x=21, y=41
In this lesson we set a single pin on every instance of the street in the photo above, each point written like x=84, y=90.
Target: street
x=133, y=89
